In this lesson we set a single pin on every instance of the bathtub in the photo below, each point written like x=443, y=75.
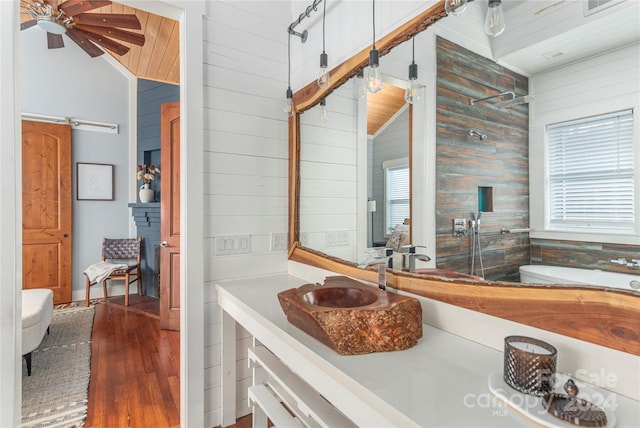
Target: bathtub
x=544, y=274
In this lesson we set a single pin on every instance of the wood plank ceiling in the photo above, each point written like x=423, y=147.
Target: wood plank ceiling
x=383, y=106
x=158, y=59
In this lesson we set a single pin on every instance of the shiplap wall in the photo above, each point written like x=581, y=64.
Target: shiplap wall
x=392, y=142
x=328, y=174
x=245, y=158
x=602, y=84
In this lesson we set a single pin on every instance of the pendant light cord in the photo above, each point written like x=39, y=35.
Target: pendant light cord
x=289, y=61
x=374, y=24
x=413, y=50
x=324, y=13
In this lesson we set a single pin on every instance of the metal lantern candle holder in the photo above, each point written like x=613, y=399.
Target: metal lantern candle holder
x=529, y=365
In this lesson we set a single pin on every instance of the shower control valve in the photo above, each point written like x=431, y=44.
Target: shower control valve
x=459, y=227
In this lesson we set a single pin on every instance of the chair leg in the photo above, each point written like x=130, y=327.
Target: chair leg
x=104, y=289
x=27, y=357
x=88, y=290
x=139, y=282
x=126, y=290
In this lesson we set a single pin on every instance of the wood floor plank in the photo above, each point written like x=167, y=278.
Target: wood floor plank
x=135, y=370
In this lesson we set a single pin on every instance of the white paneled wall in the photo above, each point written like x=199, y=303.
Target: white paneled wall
x=245, y=158
x=328, y=175
x=602, y=84
x=391, y=142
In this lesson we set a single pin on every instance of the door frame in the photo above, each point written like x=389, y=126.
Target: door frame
x=190, y=15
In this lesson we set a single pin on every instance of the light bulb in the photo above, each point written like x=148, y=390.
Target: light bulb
x=324, y=80
x=361, y=87
x=455, y=7
x=288, y=104
x=494, y=22
x=411, y=94
x=374, y=80
x=324, y=117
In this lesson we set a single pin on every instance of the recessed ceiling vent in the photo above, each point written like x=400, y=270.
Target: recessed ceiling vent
x=595, y=6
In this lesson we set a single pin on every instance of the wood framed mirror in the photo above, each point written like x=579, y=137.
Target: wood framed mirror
x=599, y=315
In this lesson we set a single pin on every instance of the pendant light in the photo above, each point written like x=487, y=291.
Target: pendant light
x=288, y=105
x=494, y=22
x=324, y=117
x=324, y=80
x=455, y=7
x=411, y=94
x=361, y=85
x=374, y=80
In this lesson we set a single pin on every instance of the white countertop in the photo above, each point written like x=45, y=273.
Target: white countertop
x=442, y=381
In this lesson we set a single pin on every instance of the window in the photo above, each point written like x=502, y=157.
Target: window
x=590, y=174
x=396, y=191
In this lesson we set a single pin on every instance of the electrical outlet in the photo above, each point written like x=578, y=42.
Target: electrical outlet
x=279, y=241
x=233, y=244
x=304, y=239
x=336, y=238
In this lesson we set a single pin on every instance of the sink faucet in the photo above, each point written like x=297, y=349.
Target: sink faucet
x=621, y=261
x=409, y=257
x=383, y=260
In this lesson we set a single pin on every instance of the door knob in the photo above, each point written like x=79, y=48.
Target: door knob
x=164, y=244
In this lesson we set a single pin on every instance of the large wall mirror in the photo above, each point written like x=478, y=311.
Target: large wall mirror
x=337, y=168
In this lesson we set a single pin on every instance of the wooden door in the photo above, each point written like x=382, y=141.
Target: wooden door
x=46, y=208
x=170, y=217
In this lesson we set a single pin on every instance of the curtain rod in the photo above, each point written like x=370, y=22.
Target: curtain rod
x=306, y=14
x=79, y=124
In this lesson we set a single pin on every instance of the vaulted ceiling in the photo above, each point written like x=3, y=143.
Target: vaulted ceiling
x=158, y=59
x=382, y=106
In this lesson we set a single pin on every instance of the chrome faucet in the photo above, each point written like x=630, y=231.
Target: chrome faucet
x=383, y=259
x=409, y=257
x=621, y=262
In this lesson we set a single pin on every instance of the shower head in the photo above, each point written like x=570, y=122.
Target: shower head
x=514, y=101
x=473, y=132
x=505, y=103
x=501, y=94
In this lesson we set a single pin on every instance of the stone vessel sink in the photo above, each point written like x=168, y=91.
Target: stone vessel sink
x=354, y=318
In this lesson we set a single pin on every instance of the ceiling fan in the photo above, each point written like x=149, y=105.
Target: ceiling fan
x=87, y=30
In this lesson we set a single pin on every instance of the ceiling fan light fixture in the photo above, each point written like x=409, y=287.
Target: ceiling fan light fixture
x=51, y=25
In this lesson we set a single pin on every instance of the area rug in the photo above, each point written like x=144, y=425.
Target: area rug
x=55, y=395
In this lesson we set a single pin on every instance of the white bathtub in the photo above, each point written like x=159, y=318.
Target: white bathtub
x=543, y=274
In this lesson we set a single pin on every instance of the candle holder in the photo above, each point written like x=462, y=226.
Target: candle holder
x=529, y=365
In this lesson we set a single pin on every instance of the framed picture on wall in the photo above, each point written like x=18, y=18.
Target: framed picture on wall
x=94, y=182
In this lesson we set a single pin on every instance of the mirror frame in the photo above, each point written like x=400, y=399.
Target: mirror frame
x=599, y=315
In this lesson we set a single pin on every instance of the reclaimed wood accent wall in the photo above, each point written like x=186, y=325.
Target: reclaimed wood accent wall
x=464, y=162
x=585, y=255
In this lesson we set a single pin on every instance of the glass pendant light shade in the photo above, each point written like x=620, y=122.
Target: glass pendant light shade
x=455, y=7
x=374, y=79
x=361, y=86
x=411, y=94
x=494, y=23
x=324, y=117
x=288, y=104
x=324, y=80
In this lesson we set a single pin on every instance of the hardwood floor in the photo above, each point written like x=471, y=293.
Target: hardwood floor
x=135, y=369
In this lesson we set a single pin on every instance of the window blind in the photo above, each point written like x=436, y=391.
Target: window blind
x=397, y=195
x=591, y=179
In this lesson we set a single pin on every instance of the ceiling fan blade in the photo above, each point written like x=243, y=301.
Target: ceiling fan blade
x=109, y=20
x=76, y=7
x=84, y=42
x=114, y=33
x=105, y=42
x=54, y=41
x=28, y=24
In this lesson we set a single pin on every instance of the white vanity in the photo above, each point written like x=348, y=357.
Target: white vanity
x=442, y=381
